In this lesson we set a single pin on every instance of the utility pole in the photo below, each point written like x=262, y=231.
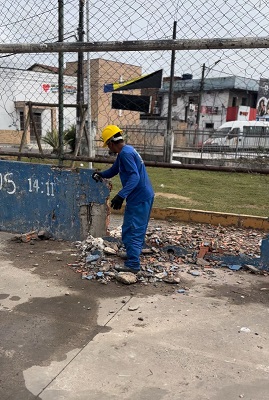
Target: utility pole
x=169, y=137
x=80, y=88
x=200, y=97
x=90, y=133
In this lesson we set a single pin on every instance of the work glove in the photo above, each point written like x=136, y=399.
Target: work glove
x=116, y=202
x=97, y=176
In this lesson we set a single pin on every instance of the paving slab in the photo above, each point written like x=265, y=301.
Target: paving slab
x=171, y=347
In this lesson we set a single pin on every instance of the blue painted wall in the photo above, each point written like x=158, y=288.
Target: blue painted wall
x=37, y=196
x=265, y=253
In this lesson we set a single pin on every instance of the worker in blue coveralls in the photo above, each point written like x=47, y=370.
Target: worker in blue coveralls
x=136, y=190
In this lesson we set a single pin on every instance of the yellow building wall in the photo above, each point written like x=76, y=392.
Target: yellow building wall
x=111, y=72
x=104, y=72
x=13, y=137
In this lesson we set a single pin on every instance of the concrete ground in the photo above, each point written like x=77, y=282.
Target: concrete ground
x=64, y=338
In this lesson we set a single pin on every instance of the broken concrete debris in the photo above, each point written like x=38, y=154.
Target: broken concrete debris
x=33, y=235
x=126, y=277
x=92, y=257
x=196, y=249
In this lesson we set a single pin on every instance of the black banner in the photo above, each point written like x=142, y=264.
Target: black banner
x=131, y=102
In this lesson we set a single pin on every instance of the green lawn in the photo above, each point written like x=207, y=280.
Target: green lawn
x=207, y=190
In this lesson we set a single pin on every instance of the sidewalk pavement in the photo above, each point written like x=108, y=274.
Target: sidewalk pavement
x=204, y=344
x=168, y=348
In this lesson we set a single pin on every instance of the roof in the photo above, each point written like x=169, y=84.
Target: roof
x=47, y=68
x=224, y=83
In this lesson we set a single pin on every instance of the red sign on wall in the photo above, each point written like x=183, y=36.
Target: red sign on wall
x=209, y=110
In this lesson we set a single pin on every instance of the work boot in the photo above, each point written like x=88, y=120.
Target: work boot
x=123, y=268
x=122, y=254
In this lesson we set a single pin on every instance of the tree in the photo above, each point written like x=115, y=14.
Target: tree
x=69, y=138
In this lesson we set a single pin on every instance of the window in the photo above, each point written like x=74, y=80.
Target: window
x=21, y=120
x=37, y=119
x=175, y=97
x=244, y=101
x=255, y=131
x=209, y=125
x=193, y=100
x=234, y=102
x=233, y=133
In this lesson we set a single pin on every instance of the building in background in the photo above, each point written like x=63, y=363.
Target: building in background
x=222, y=99
x=43, y=68
x=39, y=83
x=105, y=72
x=18, y=88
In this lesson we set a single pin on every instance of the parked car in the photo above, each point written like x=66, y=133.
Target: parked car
x=243, y=135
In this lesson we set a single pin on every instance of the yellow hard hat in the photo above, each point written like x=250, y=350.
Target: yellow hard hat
x=108, y=132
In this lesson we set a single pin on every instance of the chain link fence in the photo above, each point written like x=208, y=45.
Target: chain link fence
x=29, y=98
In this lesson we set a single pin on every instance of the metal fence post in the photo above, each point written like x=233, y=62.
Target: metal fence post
x=168, y=142
x=61, y=83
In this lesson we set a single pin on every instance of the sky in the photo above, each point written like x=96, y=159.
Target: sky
x=36, y=21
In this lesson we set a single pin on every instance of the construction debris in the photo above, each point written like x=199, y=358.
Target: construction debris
x=126, y=277
x=196, y=249
x=32, y=236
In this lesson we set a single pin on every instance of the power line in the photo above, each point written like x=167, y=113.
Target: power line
x=27, y=18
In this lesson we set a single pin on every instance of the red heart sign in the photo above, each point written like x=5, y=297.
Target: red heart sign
x=46, y=87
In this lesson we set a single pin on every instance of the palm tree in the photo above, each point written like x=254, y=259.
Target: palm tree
x=69, y=138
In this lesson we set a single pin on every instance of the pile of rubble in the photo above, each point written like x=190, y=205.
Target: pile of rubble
x=169, y=251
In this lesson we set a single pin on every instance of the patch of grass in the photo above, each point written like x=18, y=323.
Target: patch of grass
x=207, y=190
x=33, y=160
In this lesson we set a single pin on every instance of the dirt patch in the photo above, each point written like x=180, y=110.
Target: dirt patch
x=257, y=292
x=175, y=196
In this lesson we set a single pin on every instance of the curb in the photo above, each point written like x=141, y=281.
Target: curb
x=208, y=217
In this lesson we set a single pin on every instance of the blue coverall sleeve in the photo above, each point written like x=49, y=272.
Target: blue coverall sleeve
x=114, y=170
x=131, y=177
